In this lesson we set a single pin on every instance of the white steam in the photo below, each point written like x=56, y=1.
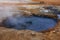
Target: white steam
x=20, y=1
x=6, y=11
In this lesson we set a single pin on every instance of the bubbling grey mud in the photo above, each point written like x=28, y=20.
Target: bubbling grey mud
x=29, y=22
x=34, y=23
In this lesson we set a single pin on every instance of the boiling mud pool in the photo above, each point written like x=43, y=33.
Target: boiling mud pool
x=34, y=23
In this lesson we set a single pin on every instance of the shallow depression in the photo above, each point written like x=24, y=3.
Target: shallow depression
x=34, y=23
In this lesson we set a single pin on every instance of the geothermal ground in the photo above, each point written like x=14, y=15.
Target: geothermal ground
x=13, y=34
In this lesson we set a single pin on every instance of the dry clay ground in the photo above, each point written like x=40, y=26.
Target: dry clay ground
x=12, y=34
